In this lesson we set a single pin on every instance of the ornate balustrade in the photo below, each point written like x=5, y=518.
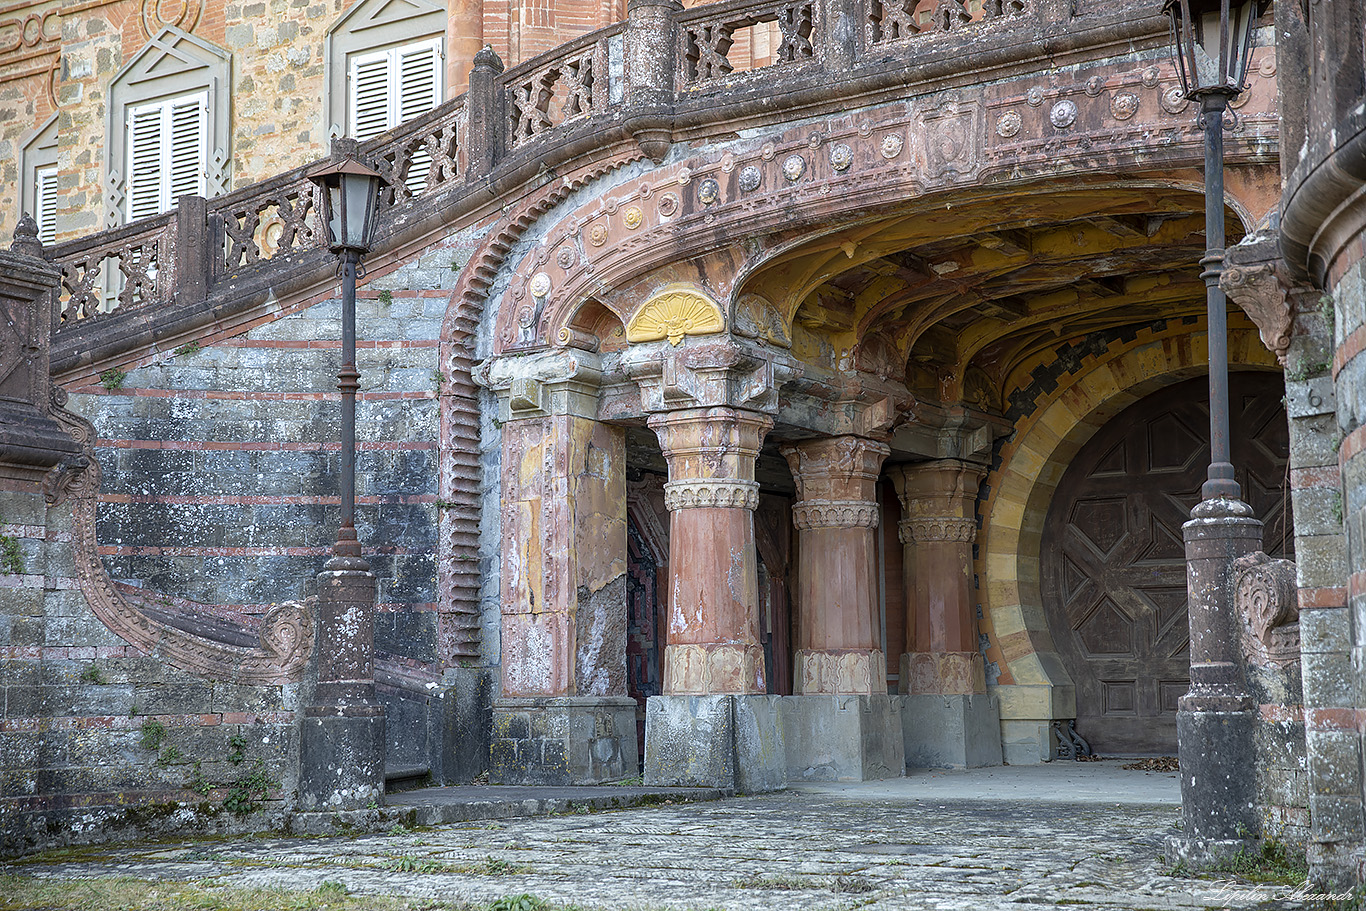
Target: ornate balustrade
x=707, y=35
x=651, y=78
x=575, y=80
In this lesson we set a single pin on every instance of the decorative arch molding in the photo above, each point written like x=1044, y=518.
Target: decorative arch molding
x=460, y=475
x=283, y=643
x=1033, y=684
x=841, y=169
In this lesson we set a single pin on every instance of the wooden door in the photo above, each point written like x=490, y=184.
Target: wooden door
x=1113, y=561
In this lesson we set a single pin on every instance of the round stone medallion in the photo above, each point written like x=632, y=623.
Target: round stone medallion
x=540, y=284
x=1123, y=105
x=749, y=178
x=709, y=191
x=633, y=217
x=1064, y=114
x=794, y=166
x=841, y=157
x=891, y=145
x=1008, y=125
x=597, y=235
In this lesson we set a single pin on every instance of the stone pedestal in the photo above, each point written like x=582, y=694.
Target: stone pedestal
x=341, y=747
x=564, y=740
x=715, y=742
x=1215, y=721
x=839, y=647
x=951, y=731
x=842, y=738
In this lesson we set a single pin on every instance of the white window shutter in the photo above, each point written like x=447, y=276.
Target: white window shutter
x=419, y=79
x=188, y=146
x=144, y=161
x=45, y=197
x=418, y=90
x=371, y=97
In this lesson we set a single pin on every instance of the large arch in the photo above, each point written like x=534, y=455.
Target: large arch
x=1032, y=683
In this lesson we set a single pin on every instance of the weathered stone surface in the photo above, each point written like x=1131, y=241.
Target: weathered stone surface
x=842, y=738
x=952, y=731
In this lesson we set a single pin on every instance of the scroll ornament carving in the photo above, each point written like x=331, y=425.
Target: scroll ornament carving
x=1265, y=596
x=673, y=314
x=1257, y=289
x=286, y=635
x=723, y=493
x=937, y=528
x=834, y=514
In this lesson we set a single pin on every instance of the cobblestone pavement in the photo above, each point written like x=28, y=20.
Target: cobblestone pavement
x=1075, y=836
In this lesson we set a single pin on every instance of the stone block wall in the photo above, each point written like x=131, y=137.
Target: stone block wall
x=100, y=740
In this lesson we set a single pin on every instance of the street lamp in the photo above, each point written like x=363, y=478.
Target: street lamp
x=350, y=199
x=1215, y=719
x=1212, y=43
x=342, y=741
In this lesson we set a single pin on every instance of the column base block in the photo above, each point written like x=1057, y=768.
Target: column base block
x=951, y=731
x=1208, y=853
x=341, y=762
x=843, y=738
x=733, y=742
x=563, y=740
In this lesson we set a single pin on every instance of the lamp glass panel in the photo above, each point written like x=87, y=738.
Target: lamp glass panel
x=335, y=229
x=359, y=198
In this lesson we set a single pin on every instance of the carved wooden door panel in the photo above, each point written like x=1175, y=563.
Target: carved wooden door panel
x=1113, y=561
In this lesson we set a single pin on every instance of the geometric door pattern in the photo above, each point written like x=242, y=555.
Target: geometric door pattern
x=1113, y=567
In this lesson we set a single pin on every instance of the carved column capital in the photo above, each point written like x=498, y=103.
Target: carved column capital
x=925, y=529
x=711, y=492
x=834, y=514
x=709, y=373
x=716, y=446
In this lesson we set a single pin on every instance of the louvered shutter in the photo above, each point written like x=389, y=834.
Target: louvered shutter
x=418, y=90
x=188, y=147
x=45, y=199
x=371, y=98
x=144, y=161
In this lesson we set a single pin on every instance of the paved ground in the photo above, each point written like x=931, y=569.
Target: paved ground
x=1087, y=834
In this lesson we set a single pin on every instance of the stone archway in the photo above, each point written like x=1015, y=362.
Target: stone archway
x=1112, y=561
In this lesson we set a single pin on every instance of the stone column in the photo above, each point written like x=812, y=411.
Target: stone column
x=464, y=38
x=563, y=715
x=839, y=643
x=949, y=719
x=713, y=726
x=842, y=724
x=1215, y=720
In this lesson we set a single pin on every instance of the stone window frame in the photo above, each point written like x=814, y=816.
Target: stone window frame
x=174, y=64
x=371, y=26
x=37, y=163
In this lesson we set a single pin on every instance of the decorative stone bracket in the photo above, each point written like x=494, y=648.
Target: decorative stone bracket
x=709, y=374
x=1255, y=278
x=564, y=381
x=1266, y=600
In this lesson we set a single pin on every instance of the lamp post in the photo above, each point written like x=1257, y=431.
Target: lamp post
x=1213, y=43
x=1215, y=721
x=342, y=739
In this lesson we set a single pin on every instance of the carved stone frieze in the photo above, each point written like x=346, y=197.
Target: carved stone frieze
x=719, y=493
x=940, y=528
x=834, y=514
x=674, y=313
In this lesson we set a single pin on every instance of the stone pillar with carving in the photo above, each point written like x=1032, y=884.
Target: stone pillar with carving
x=710, y=399
x=839, y=647
x=563, y=715
x=942, y=670
x=841, y=670
x=713, y=646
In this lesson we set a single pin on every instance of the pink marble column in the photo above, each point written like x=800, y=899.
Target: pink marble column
x=839, y=637
x=939, y=503
x=713, y=637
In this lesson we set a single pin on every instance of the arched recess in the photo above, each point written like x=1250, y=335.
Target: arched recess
x=1023, y=666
